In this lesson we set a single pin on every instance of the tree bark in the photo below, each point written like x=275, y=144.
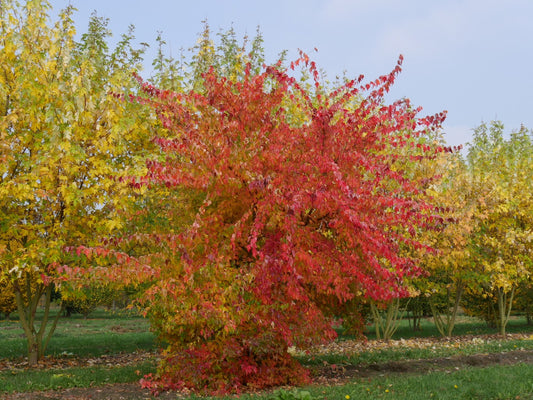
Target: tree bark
x=505, y=303
x=37, y=339
x=445, y=325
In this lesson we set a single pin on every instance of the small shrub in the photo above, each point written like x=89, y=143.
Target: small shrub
x=87, y=299
x=482, y=305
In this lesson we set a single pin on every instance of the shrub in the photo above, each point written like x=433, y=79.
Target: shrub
x=86, y=300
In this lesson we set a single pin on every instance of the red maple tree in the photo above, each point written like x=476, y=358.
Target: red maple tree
x=300, y=203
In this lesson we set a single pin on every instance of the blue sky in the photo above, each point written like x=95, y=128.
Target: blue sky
x=473, y=58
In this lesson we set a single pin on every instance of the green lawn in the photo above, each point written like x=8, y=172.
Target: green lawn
x=106, y=333
x=102, y=333
x=497, y=382
x=34, y=380
x=465, y=326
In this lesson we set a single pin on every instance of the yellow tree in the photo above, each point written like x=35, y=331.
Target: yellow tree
x=451, y=267
x=502, y=177
x=65, y=143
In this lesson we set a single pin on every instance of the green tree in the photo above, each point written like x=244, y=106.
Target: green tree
x=524, y=300
x=225, y=53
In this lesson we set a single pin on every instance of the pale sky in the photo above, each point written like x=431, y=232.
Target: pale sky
x=473, y=58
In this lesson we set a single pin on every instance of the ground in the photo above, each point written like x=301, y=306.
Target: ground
x=342, y=374
x=326, y=374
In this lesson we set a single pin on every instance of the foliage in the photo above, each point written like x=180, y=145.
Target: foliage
x=451, y=266
x=417, y=308
x=265, y=201
x=481, y=304
x=228, y=56
x=523, y=301
x=291, y=218
x=501, y=173
x=85, y=300
x=353, y=315
x=484, y=248
x=8, y=300
x=65, y=143
x=8, y=303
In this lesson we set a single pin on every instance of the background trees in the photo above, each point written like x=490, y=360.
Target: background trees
x=501, y=177
x=484, y=248
x=451, y=268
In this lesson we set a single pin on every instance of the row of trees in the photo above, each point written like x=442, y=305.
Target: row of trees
x=253, y=205
x=485, y=252
x=83, y=301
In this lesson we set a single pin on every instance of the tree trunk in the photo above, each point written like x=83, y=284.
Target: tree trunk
x=33, y=352
x=386, y=322
x=445, y=325
x=37, y=339
x=505, y=303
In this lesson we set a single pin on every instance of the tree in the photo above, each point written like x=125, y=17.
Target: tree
x=432, y=174
x=65, y=143
x=227, y=56
x=451, y=268
x=292, y=216
x=501, y=173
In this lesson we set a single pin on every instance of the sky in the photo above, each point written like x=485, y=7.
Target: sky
x=473, y=58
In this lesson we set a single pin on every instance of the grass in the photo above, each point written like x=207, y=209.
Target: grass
x=110, y=333
x=102, y=333
x=497, y=382
x=35, y=380
x=465, y=326
x=490, y=383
